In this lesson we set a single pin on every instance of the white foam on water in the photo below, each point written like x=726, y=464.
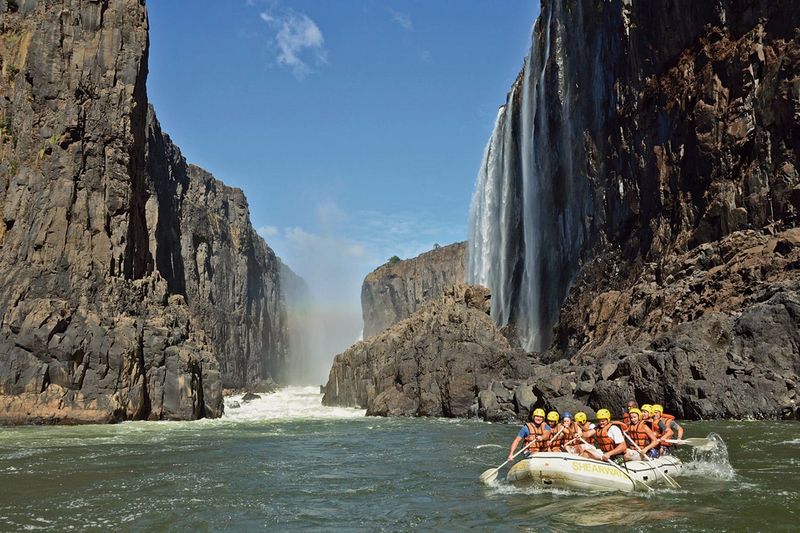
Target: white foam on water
x=793, y=441
x=501, y=487
x=481, y=446
x=288, y=403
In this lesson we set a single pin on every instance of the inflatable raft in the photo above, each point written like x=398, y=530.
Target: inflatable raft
x=560, y=469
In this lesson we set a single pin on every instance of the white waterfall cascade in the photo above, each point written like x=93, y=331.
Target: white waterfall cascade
x=522, y=245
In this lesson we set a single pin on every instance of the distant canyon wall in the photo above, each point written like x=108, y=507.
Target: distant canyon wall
x=396, y=290
x=132, y=285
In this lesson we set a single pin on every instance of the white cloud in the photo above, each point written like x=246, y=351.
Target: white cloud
x=329, y=214
x=298, y=39
x=268, y=231
x=401, y=19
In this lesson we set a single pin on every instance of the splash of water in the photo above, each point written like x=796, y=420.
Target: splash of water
x=711, y=461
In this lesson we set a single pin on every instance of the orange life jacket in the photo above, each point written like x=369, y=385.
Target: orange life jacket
x=603, y=441
x=531, y=443
x=639, y=435
x=667, y=421
x=565, y=436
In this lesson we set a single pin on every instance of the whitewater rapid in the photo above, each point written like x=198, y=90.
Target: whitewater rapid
x=288, y=403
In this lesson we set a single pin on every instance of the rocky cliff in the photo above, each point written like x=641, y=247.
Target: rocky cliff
x=430, y=364
x=207, y=250
x=131, y=284
x=397, y=289
x=636, y=210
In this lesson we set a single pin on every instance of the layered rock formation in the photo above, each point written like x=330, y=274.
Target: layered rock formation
x=430, y=364
x=131, y=284
x=397, y=289
x=207, y=250
x=636, y=209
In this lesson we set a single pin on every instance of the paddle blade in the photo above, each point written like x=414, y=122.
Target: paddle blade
x=696, y=442
x=489, y=476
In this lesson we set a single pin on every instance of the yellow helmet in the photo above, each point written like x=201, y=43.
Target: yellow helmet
x=538, y=412
x=657, y=408
x=647, y=408
x=633, y=410
x=580, y=417
x=603, y=413
x=552, y=416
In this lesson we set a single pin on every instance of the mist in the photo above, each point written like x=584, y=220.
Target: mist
x=324, y=308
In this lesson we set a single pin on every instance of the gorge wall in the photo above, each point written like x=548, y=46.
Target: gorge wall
x=397, y=289
x=635, y=214
x=640, y=187
x=132, y=285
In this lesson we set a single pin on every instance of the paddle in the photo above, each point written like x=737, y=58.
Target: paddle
x=649, y=460
x=490, y=475
x=695, y=442
x=615, y=465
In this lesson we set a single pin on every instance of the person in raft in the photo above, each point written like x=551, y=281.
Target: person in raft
x=665, y=427
x=564, y=433
x=608, y=439
x=642, y=434
x=585, y=432
x=535, y=434
x=626, y=416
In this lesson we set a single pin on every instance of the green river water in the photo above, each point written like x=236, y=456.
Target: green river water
x=286, y=463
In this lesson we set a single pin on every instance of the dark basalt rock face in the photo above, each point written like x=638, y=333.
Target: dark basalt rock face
x=679, y=122
x=208, y=251
x=396, y=290
x=131, y=284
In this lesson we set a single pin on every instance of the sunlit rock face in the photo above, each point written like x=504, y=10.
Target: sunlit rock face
x=634, y=131
x=397, y=289
x=132, y=285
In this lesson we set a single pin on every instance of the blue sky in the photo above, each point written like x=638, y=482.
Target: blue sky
x=354, y=128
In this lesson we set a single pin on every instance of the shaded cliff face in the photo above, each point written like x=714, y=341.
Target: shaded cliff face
x=635, y=128
x=207, y=250
x=131, y=284
x=638, y=196
x=395, y=291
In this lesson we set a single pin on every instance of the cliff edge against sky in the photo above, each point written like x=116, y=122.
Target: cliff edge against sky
x=132, y=285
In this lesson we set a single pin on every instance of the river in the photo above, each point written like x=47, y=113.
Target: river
x=286, y=463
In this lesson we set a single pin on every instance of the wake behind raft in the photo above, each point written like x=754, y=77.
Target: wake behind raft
x=566, y=470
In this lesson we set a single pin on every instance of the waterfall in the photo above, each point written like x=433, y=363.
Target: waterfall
x=527, y=219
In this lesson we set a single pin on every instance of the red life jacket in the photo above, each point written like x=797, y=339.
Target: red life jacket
x=565, y=436
x=606, y=443
x=531, y=443
x=667, y=421
x=639, y=435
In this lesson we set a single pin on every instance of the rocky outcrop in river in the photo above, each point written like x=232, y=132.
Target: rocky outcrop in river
x=397, y=289
x=430, y=364
x=132, y=285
